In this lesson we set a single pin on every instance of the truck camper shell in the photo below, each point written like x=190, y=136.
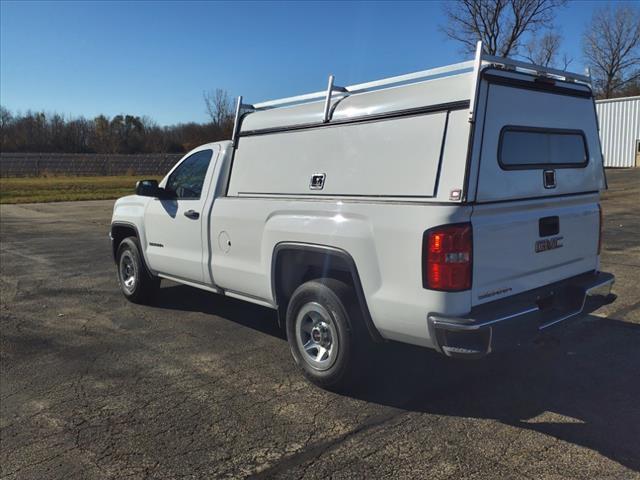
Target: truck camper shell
x=423, y=123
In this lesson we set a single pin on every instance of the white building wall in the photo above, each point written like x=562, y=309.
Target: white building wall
x=619, y=120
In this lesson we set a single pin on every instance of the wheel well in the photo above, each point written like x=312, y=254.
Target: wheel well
x=296, y=264
x=119, y=233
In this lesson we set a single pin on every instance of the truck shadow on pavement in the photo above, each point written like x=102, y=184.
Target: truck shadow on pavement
x=188, y=299
x=579, y=384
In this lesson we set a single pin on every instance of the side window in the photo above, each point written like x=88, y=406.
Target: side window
x=187, y=180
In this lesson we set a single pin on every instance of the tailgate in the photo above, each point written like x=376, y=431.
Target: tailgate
x=519, y=246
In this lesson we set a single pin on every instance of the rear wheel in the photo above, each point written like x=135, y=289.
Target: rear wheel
x=136, y=283
x=322, y=320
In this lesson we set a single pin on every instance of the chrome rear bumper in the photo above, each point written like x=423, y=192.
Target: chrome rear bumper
x=514, y=320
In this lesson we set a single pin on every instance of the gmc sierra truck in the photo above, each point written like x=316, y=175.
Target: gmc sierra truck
x=456, y=208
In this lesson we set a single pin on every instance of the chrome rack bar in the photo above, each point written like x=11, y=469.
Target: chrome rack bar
x=416, y=76
x=477, y=65
x=289, y=100
x=587, y=73
x=327, y=101
x=361, y=87
x=238, y=116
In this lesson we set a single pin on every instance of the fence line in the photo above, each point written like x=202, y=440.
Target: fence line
x=81, y=164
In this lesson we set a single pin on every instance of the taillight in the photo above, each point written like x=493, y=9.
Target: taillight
x=600, y=232
x=447, y=257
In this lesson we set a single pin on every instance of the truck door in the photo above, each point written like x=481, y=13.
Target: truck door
x=175, y=226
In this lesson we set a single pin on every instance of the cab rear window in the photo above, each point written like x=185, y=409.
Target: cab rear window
x=526, y=147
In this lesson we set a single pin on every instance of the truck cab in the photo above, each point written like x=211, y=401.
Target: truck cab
x=170, y=218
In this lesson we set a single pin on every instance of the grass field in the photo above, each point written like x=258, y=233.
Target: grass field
x=60, y=189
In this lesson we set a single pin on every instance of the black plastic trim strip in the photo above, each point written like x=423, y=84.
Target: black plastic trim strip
x=441, y=156
x=467, y=165
x=346, y=198
x=119, y=223
x=126, y=225
x=484, y=124
x=541, y=197
x=329, y=250
x=442, y=107
x=329, y=195
x=370, y=199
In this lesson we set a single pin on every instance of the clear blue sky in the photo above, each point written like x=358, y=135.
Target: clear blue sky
x=156, y=58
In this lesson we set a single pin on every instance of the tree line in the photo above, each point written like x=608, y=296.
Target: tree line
x=53, y=133
x=515, y=28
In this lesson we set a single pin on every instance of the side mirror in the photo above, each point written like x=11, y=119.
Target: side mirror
x=149, y=188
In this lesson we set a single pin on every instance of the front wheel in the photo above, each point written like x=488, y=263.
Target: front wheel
x=321, y=326
x=135, y=281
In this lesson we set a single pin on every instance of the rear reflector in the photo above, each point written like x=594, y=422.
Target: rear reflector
x=447, y=257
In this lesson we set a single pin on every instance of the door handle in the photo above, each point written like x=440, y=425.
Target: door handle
x=192, y=214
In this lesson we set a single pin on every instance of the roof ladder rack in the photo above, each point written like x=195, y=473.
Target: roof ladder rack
x=240, y=109
x=327, y=101
x=475, y=67
x=367, y=86
x=517, y=65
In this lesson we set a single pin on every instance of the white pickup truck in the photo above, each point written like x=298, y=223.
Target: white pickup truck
x=455, y=208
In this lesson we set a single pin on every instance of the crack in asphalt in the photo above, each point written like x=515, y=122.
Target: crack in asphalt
x=316, y=450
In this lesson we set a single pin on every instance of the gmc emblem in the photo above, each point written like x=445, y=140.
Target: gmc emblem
x=548, y=244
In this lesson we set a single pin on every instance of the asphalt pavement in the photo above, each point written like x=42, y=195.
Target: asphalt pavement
x=201, y=386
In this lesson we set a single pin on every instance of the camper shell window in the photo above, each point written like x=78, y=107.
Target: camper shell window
x=528, y=147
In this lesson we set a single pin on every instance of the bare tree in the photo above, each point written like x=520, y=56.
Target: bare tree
x=611, y=46
x=545, y=51
x=630, y=89
x=218, y=106
x=6, y=119
x=500, y=24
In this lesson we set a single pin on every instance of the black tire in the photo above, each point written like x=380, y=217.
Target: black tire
x=136, y=283
x=322, y=309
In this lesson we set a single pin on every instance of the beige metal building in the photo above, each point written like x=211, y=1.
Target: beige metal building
x=619, y=120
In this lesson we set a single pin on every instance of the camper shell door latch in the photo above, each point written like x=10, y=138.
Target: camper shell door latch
x=549, y=178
